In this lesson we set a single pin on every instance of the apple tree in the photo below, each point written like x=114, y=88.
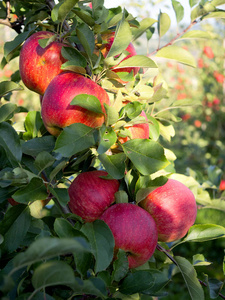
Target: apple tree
x=92, y=206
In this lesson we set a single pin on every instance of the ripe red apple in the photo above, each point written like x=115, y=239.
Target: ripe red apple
x=56, y=110
x=138, y=131
x=222, y=185
x=134, y=231
x=105, y=50
x=37, y=65
x=173, y=208
x=91, y=194
x=208, y=52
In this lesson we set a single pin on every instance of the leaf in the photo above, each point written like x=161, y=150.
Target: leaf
x=33, y=124
x=179, y=10
x=61, y=194
x=214, y=285
x=164, y=23
x=114, y=164
x=10, y=142
x=177, y=53
x=153, y=128
x=73, y=56
x=107, y=138
x=48, y=247
x=146, y=155
x=195, y=34
x=204, y=232
x=199, y=260
x=74, y=138
x=9, y=86
x=190, y=277
x=53, y=273
x=102, y=243
x=215, y=15
x=37, y=145
x=193, y=2
x=34, y=190
x=120, y=266
x=14, y=227
x=86, y=37
x=65, y=8
x=217, y=2
x=122, y=38
x=144, y=24
x=88, y=102
x=141, y=61
x=112, y=114
x=44, y=160
x=13, y=45
x=7, y=111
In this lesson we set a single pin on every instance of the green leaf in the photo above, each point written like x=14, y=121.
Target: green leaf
x=84, y=16
x=107, y=138
x=49, y=247
x=88, y=102
x=114, y=164
x=61, y=194
x=33, y=124
x=120, y=266
x=10, y=141
x=37, y=145
x=141, y=61
x=217, y=2
x=214, y=285
x=153, y=128
x=86, y=37
x=122, y=38
x=9, y=86
x=193, y=2
x=195, y=34
x=7, y=111
x=65, y=8
x=14, y=227
x=179, y=10
x=112, y=114
x=34, y=190
x=102, y=243
x=73, y=56
x=44, y=160
x=177, y=53
x=92, y=286
x=199, y=260
x=53, y=273
x=164, y=23
x=215, y=15
x=13, y=45
x=74, y=138
x=144, y=24
x=204, y=232
x=147, y=156
x=190, y=277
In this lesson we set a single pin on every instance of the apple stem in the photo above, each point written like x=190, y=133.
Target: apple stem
x=160, y=248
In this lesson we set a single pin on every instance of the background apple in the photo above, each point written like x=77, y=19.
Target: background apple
x=56, y=110
x=134, y=231
x=37, y=65
x=173, y=208
x=109, y=37
x=138, y=131
x=13, y=202
x=91, y=194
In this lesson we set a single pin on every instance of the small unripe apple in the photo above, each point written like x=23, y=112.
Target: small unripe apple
x=174, y=209
x=134, y=231
x=37, y=65
x=56, y=110
x=91, y=194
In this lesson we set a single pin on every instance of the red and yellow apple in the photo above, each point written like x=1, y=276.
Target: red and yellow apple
x=56, y=110
x=134, y=231
x=37, y=65
x=91, y=194
x=173, y=208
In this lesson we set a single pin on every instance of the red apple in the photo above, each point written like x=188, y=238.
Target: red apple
x=106, y=47
x=91, y=194
x=56, y=110
x=134, y=231
x=208, y=52
x=222, y=185
x=37, y=65
x=138, y=131
x=173, y=208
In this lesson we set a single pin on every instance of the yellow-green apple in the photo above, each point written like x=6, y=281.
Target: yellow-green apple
x=105, y=47
x=173, y=207
x=56, y=110
x=137, y=131
x=134, y=231
x=91, y=193
x=37, y=65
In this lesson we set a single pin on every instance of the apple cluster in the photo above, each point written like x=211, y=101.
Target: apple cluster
x=166, y=213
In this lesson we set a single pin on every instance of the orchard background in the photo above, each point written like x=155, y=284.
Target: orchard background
x=50, y=253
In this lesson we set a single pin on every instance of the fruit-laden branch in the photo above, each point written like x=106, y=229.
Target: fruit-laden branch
x=160, y=248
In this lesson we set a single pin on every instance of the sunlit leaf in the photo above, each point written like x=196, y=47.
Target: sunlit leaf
x=114, y=164
x=179, y=10
x=164, y=23
x=9, y=86
x=141, y=61
x=143, y=26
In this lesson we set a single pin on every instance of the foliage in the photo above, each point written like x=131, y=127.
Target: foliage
x=48, y=252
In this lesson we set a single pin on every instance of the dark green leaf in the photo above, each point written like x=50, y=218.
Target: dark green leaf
x=84, y=16
x=102, y=243
x=44, y=160
x=65, y=8
x=114, y=164
x=147, y=156
x=120, y=266
x=9, y=86
x=74, y=138
x=73, y=55
x=86, y=37
x=215, y=286
x=37, y=145
x=61, y=195
x=88, y=102
x=107, y=138
x=6, y=111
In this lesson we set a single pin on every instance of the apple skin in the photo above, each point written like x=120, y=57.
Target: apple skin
x=134, y=231
x=173, y=208
x=138, y=131
x=56, y=110
x=90, y=194
x=13, y=202
x=39, y=66
x=105, y=50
